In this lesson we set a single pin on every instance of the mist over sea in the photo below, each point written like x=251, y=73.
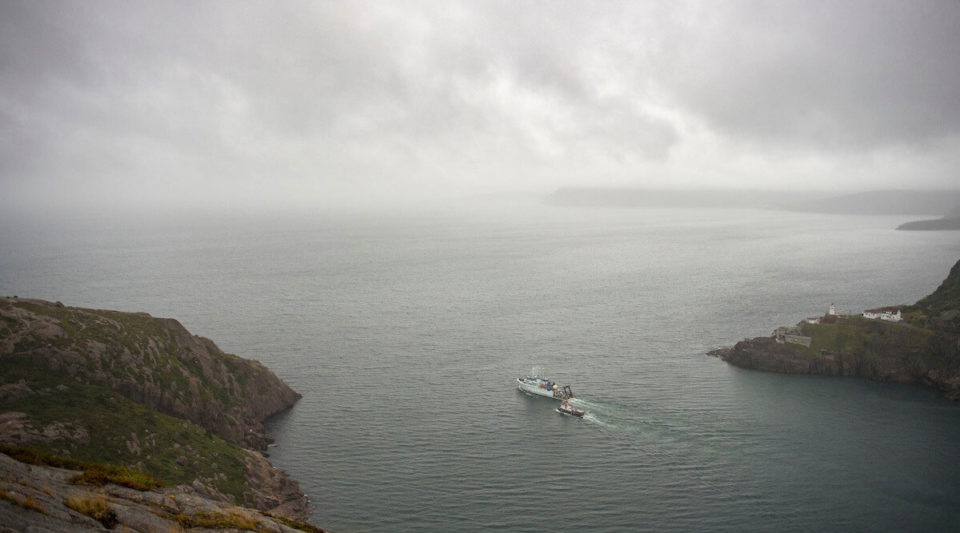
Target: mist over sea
x=405, y=332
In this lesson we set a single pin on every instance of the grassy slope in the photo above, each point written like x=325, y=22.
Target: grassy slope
x=857, y=334
x=111, y=421
x=941, y=309
x=125, y=333
x=925, y=341
x=877, y=343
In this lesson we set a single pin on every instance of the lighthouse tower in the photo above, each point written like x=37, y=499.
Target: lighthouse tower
x=832, y=311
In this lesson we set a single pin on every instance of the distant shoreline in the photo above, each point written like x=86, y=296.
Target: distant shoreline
x=890, y=202
x=939, y=224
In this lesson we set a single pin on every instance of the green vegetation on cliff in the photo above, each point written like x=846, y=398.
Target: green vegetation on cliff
x=923, y=349
x=857, y=334
x=886, y=351
x=137, y=391
x=152, y=361
x=90, y=422
x=941, y=309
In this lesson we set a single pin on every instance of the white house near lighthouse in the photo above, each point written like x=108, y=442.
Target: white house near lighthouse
x=891, y=314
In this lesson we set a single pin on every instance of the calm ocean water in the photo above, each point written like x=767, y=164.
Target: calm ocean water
x=405, y=333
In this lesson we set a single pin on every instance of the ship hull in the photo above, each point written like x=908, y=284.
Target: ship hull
x=543, y=387
x=530, y=388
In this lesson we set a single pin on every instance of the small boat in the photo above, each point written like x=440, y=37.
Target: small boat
x=541, y=386
x=567, y=409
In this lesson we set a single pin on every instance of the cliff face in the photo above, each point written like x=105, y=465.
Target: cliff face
x=133, y=390
x=765, y=354
x=152, y=361
x=924, y=350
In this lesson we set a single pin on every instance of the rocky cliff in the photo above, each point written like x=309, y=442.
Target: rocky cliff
x=130, y=389
x=923, y=350
x=152, y=361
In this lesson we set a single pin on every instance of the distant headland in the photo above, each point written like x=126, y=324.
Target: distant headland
x=944, y=203
x=912, y=344
x=937, y=224
x=949, y=221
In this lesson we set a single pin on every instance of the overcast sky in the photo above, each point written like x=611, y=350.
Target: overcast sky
x=318, y=103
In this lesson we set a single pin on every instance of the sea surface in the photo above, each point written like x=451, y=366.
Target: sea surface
x=405, y=332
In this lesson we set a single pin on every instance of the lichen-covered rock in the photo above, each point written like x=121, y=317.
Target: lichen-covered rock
x=37, y=499
x=113, y=360
x=15, y=427
x=10, y=392
x=152, y=361
x=277, y=492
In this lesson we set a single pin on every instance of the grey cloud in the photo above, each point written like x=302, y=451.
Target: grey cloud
x=836, y=75
x=124, y=96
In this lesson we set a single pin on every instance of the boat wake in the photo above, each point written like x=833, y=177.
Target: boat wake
x=619, y=420
x=661, y=438
x=590, y=417
x=580, y=402
x=650, y=431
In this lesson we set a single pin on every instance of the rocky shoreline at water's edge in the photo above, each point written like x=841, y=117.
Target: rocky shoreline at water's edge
x=922, y=348
x=766, y=355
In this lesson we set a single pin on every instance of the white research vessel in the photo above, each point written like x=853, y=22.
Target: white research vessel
x=541, y=386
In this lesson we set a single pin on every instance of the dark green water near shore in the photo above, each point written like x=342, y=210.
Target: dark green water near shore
x=405, y=333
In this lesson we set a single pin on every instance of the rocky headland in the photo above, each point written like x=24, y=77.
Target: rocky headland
x=134, y=391
x=922, y=349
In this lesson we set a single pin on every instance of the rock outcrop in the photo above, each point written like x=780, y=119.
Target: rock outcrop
x=17, y=428
x=44, y=500
x=924, y=350
x=152, y=361
x=178, y=405
x=274, y=490
x=765, y=354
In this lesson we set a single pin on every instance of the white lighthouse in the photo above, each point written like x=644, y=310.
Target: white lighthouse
x=832, y=311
